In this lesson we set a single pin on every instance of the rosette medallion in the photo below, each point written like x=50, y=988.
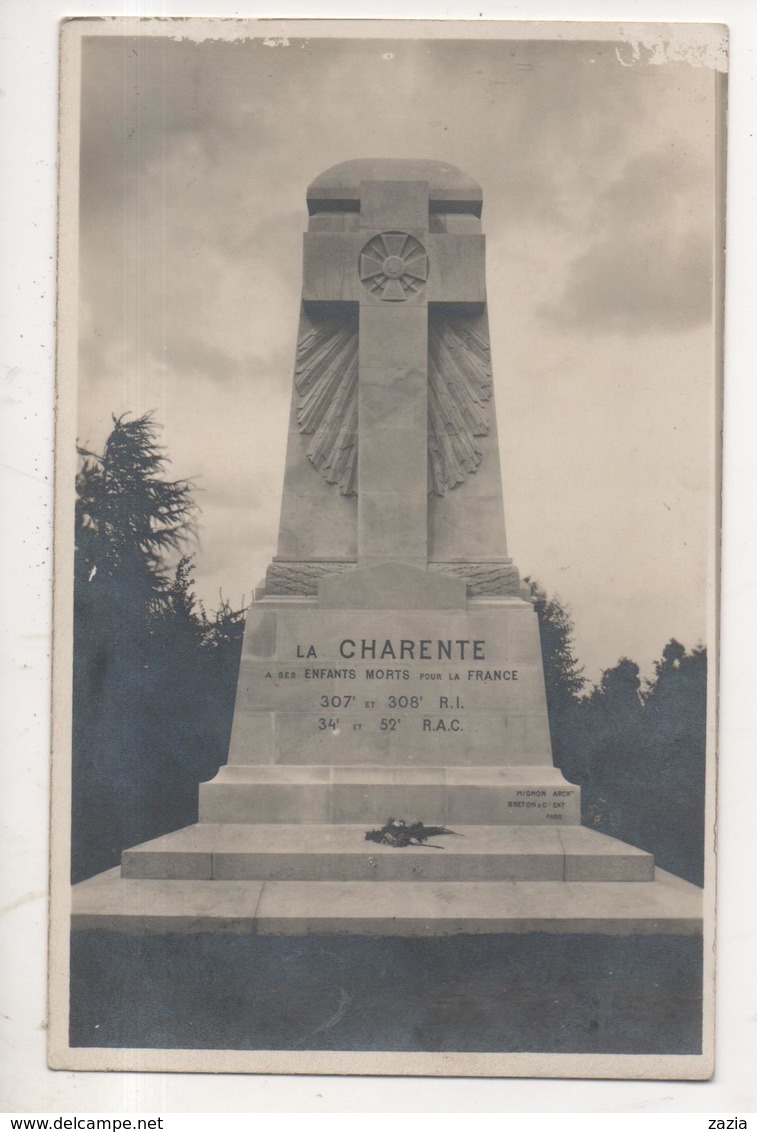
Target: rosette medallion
x=393, y=266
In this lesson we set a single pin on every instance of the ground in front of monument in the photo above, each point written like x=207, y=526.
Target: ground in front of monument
x=536, y=992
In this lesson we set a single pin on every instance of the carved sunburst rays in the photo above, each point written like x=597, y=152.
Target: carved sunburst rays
x=326, y=379
x=459, y=387
x=393, y=266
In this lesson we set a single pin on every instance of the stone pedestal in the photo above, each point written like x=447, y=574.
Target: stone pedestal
x=347, y=716
x=352, y=715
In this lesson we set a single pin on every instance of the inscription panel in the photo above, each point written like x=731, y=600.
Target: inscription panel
x=427, y=688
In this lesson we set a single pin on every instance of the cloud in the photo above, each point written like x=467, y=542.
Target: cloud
x=648, y=263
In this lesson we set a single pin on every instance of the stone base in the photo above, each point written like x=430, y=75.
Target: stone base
x=110, y=902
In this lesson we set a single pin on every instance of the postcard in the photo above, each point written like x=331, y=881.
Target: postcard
x=387, y=509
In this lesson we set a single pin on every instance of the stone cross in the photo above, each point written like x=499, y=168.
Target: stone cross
x=393, y=268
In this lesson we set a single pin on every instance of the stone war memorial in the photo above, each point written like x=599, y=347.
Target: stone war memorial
x=391, y=665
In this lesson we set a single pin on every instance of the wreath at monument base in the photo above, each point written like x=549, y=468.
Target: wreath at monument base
x=399, y=834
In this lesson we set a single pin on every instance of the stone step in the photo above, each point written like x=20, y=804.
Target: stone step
x=368, y=795
x=341, y=853
x=110, y=902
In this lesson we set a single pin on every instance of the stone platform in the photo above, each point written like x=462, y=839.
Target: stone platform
x=293, y=879
x=110, y=902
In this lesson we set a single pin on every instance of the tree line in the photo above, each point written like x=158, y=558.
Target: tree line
x=154, y=677
x=635, y=747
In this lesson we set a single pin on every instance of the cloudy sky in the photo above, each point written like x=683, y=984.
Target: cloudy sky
x=598, y=171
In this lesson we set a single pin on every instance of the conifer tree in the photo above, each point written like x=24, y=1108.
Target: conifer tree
x=128, y=516
x=562, y=672
x=564, y=682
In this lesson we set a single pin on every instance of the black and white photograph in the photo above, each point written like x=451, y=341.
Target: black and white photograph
x=387, y=547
